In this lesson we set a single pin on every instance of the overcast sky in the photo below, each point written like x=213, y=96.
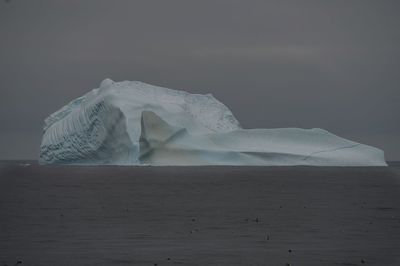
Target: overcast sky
x=328, y=64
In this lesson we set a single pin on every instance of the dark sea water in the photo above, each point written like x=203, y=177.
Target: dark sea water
x=60, y=215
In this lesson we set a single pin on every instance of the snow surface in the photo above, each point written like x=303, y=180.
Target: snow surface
x=134, y=123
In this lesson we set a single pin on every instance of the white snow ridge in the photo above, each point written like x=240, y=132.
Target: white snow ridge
x=134, y=123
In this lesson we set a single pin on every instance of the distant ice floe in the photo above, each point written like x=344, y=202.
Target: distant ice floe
x=134, y=123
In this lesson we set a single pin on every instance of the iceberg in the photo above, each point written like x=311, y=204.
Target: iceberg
x=134, y=123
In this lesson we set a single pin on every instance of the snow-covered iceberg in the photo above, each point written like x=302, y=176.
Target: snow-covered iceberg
x=134, y=123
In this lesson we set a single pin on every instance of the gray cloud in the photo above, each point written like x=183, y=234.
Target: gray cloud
x=328, y=64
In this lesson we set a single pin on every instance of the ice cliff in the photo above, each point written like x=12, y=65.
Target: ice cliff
x=134, y=123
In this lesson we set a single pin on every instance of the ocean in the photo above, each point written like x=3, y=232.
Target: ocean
x=108, y=215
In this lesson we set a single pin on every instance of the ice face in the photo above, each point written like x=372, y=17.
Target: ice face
x=104, y=126
x=134, y=123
